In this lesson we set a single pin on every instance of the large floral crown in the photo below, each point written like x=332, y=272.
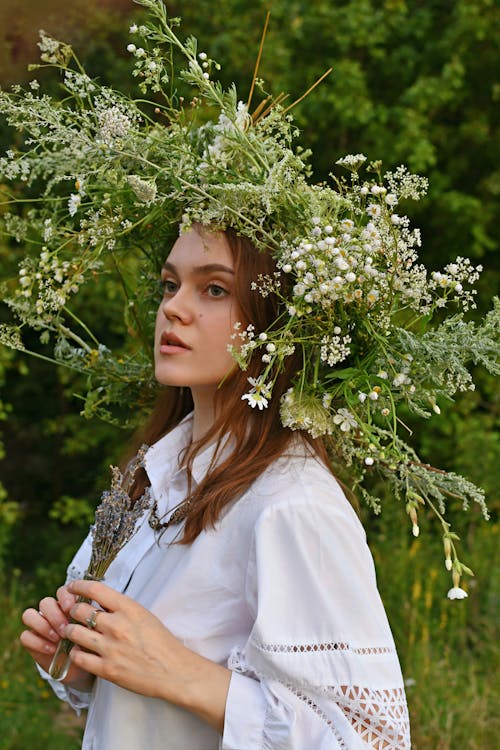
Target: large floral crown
x=104, y=181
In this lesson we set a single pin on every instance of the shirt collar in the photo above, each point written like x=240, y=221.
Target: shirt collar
x=162, y=458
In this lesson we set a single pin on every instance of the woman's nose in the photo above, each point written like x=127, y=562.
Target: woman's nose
x=178, y=305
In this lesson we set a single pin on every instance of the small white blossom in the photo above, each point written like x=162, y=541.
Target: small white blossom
x=74, y=203
x=351, y=161
x=400, y=379
x=373, y=210
x=255, y=399
x=345, y=420
x=457, y=593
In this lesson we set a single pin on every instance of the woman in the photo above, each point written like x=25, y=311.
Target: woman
x=254, y=621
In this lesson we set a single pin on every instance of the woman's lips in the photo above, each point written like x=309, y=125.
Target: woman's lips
x=172, y=344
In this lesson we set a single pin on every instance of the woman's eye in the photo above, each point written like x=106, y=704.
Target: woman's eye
x=168, y=286
x=214, y=290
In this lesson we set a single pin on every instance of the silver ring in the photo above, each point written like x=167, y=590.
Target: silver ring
x=92, y=620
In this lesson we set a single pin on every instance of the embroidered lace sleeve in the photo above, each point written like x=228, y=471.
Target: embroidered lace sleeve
x=320, y=668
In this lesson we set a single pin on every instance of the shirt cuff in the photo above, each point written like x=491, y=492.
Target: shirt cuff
x=245, y=714
x=77, y=699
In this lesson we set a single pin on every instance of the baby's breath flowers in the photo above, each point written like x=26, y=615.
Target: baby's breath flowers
x=115, y=522
x=376, y=331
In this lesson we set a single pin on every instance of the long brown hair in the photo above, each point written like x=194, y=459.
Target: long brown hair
x=257, y=437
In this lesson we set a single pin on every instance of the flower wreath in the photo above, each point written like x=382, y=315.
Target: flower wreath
x=361, y=308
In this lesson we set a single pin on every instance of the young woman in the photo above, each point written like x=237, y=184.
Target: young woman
x=250, y=618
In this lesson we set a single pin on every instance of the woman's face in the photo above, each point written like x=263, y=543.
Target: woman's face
x=197, y=314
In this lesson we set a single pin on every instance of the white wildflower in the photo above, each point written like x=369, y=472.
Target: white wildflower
x=74, y=203
x=345, y=420
x=373, y=210
x=259, y=393
x=255, y=399
x=351, y=161
x=144, y=190
x=457, y=593
x=400, y=379
x=113, y=124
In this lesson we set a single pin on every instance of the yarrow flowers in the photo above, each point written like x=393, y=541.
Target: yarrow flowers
x=377, y=333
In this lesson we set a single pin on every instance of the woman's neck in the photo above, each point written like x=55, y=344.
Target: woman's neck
x=204, y=411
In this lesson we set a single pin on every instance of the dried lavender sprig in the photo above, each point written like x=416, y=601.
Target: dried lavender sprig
x=115, y=522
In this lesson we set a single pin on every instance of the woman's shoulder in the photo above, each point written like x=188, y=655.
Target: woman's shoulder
x=298, y=479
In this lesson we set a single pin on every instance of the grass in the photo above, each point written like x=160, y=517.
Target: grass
x=30, y=715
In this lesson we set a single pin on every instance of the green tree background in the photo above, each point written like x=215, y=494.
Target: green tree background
x=413, y=82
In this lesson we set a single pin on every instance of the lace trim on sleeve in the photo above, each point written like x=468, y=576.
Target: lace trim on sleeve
x=380, y=717
x=279, y=648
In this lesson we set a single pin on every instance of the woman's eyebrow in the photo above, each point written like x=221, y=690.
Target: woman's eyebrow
x=200, y=270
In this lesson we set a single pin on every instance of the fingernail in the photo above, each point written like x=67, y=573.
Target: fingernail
x=62, y=628
x=49, y=648
x=53, y=635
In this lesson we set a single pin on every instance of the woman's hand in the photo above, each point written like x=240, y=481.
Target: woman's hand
x=132, y=648
x=45, y=630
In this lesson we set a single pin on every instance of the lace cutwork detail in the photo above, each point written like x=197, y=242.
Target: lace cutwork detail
x=317, y=710
x=380, y=717
x=280, y=648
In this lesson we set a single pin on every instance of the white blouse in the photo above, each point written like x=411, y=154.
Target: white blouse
x=283, y=592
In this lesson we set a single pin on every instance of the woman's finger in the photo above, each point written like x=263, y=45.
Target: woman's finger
x=36, y=644
x=88, y=615
x=86, y=638
x=52, y=612
x=107, y=597
x=65, y=598
x=38, y=623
